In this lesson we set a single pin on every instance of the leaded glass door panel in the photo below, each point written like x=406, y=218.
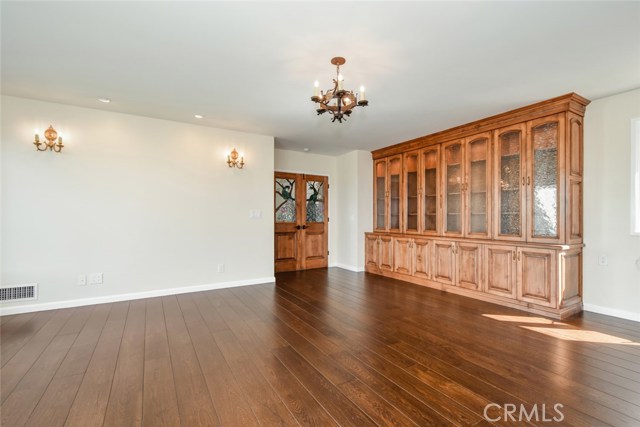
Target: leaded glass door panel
x=452, y=186
x=412, y=189
x=430, y=189
x=380, y=194
x=545, y=196
x=477, y=185
x=510, y=182
x=394, y=177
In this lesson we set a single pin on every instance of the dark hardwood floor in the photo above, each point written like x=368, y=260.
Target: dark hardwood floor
x=321, y=348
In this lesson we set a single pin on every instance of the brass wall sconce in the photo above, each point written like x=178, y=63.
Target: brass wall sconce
x=232, y=160
x=51, y=136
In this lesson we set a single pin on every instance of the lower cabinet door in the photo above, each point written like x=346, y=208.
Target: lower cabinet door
x=443, y=262
x=371, y=251
x=386, y=253
x=422, y=258
x=402, y=255
x=501, y=270
x=537, y=276
x=469, y=265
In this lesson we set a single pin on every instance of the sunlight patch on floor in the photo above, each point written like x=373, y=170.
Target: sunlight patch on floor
x=524, y=319
x=560, y=330
x=581, y=335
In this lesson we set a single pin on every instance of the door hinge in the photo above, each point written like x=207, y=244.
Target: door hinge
x=327, y=252
x=327, y=219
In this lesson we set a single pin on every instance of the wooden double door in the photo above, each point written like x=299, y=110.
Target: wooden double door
x=300, y=215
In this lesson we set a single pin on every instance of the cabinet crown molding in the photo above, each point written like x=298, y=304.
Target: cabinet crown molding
x=569, y=102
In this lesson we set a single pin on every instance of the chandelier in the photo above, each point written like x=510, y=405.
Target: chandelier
x=337, y=101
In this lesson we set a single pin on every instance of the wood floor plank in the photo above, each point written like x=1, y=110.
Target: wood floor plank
x=227, y=396
x=159, y=402
x=53, y=408
x=17, y=408
x=264, y=402
x=17, y=333
x=22, y=361
x=124, y=408
x=194, y=402
x=329, y=396
x=89, y=407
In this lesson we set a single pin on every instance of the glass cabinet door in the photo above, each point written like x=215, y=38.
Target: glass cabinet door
x=411, y=191
x=394, y=173
x=476, y=187
x=543, y=178
x=453, y=188
x=380, y=190
x=430, y=189
x=510, y=183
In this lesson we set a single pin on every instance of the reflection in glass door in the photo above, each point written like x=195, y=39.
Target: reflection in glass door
x=510, y=162
x=411, y=191
x=394, y=176
x=380, y=215
x=477, y=187
x=453, y=187
x=544, y=179
x=430, y=189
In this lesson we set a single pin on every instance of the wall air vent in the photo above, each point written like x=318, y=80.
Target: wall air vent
x=19, y=293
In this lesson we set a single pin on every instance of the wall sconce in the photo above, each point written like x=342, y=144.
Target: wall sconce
x=232, y=160
x=50, y=135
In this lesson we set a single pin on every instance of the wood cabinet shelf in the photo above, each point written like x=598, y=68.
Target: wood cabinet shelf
x=477, y=202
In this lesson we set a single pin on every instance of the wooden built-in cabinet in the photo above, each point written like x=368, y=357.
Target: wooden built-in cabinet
x=491, y=209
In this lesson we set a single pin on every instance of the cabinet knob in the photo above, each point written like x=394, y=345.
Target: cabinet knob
x=513, y=255
x=528, y=180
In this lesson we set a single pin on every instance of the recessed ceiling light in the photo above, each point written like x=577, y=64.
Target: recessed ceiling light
x=198, y=116
x=306, y=150
x=105, y=100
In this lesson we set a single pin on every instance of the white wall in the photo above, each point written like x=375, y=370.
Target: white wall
x=613, y=289
x=315, y=164
x=149, y=203
x=365, y=201
x=355, y=211
x=348, y=211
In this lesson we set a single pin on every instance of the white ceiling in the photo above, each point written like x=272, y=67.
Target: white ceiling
x=251, y=66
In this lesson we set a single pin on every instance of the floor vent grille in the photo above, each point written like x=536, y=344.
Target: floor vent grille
x=19, y=293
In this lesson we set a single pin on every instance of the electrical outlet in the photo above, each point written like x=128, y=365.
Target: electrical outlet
x=82, y=280
x=220, y=268
x=603, y=260
x=95, y=279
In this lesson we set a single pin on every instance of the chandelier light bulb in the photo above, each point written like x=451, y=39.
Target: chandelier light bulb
x=316, y=90
x=340, y=80
x=363, y=96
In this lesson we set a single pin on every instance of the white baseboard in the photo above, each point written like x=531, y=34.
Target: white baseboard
x=629, y=315
x=5, y=311
x=348, y=267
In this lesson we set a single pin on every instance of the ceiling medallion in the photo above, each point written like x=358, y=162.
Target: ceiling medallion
x=337, y=101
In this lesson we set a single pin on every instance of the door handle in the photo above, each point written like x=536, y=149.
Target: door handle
x=513, y=255
x=298, y=227
x=528, y=180
x=523, y=180
x=518, y=255
x=304, y=227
